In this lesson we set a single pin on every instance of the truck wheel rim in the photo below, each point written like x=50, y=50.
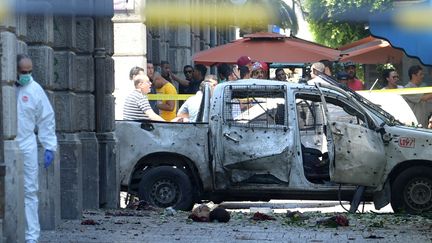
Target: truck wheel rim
x=419, y=194
x=165, y=192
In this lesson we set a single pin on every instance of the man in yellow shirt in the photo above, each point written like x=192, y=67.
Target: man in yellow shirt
x=167, y=108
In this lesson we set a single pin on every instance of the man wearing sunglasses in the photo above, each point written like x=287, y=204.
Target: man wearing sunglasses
x=34, y=110
x=184, y=84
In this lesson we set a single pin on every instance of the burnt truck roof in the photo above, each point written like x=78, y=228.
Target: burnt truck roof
x=328, y=83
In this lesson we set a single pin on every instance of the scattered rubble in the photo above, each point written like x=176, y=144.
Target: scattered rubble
x=169, y=211
x=140, y=205
x=261, y=217
x=89, y=222
x=334, y=221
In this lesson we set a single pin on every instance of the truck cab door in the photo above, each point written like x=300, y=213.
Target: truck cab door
x=356, y=152
x=254, y=143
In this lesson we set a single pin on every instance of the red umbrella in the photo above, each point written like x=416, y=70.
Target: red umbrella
x=267, y=47
x=371, y=50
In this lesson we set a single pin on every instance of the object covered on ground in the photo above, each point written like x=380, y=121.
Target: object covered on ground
x=140, y=205
x=261, y=217
x=334, y=221
x=296, y=216
x=89, y=222
x=200, y=213
x=219, y=214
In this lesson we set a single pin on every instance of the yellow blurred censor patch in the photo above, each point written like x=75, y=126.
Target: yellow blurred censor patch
x=223, y=14
x=416, y=19
x=4, y=9
x=404, y=91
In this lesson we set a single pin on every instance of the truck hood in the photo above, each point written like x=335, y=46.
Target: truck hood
x=410, y=143
x=414, y=130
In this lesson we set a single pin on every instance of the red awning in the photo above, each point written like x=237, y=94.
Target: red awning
x=371, y=50
x=267, y=47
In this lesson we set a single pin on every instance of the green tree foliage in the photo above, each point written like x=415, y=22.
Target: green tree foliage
x=334, y=23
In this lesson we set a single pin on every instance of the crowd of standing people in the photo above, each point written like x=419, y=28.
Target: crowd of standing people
x=137, y=105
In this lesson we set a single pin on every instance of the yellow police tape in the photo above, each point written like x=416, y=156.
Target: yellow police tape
x=168, y=96
x=404, y=91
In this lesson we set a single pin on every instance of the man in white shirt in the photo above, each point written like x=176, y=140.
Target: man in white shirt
x=191, y=107
x=420, y=103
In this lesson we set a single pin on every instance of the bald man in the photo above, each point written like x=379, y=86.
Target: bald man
x=34, y=110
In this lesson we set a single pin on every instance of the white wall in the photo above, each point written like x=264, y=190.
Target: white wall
x=130, y=48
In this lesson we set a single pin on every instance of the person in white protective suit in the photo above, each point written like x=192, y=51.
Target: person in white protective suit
x=34, y=114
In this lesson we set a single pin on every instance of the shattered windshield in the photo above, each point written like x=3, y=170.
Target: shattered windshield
x=374, y=108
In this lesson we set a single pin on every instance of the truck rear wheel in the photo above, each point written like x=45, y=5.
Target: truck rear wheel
x=411, y=191
x=166, y=186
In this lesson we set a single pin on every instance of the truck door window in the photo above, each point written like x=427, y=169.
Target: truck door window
x=339, y=110
x=343, y=112
x=255, y=106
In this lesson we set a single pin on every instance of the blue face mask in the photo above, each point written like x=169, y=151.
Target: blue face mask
x=24, y=79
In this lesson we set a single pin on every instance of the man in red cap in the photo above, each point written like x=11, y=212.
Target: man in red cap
x=265, y=68
x=258, y=71
x=244, y=61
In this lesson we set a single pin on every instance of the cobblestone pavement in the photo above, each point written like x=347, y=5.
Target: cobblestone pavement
x=160, y=226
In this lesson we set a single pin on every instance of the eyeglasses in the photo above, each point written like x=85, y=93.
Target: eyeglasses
x=395, y=77
x=25, y=72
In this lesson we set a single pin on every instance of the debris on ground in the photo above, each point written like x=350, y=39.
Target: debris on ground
x=122, y=213
x=220, y=215
x=89, y=222
x=261, y=217
x=140, y=205
x=169, y=211
x=334, y=221
x=296, y=216
x=373, y=237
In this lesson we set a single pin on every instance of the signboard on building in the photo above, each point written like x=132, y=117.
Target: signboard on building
x=124, y=5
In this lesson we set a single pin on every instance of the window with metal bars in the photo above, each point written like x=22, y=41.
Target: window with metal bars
x=255, y=106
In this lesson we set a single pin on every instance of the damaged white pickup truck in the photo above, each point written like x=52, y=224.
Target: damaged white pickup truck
x=262, y=140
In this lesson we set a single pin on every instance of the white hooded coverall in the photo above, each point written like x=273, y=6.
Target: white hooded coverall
x=34, y=111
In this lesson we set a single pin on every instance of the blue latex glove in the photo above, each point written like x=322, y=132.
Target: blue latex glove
x=49, y=157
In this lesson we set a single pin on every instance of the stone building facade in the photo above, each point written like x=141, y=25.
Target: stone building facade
x=71, y=44
x=135, y=42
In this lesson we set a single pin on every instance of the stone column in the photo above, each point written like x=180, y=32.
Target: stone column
x=90, y=175
x=13, y=224
x=156, y=46
x=84, y=87
x=49, y=193
x=71, y=175
x=180, y=44
x=2, y=165
x=109, y=185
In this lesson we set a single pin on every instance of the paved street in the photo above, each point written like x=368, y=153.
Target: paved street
x=159, y=226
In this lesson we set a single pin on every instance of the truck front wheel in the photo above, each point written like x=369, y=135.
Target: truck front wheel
x=412, y=191
x=166, y=186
